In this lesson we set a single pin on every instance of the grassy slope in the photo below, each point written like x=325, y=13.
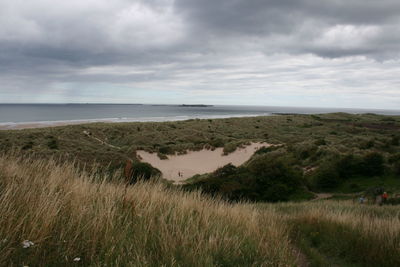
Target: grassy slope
x=345, y=233
x=342, y=132
x=68, y=214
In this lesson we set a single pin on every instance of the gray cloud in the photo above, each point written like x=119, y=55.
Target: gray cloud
x=197, y=47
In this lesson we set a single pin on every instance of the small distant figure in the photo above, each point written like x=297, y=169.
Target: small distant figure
x=384, y=197
x=179, y=174
x=361, y=200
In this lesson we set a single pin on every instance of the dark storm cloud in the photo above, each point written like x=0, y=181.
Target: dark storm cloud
x=126, y=32
x=204, y=45
x=302, y=25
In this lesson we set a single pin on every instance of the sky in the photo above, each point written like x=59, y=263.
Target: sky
x=318, y=53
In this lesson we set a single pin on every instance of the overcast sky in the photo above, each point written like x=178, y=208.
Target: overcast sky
x=324, y=53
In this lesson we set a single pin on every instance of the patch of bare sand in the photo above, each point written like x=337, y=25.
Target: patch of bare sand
x=182, y=167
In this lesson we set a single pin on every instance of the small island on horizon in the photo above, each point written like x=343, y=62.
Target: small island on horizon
x=195, y=105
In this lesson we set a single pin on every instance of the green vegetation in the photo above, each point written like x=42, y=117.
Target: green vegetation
x=143, y=171
x=66, y=217
x=264, y=178
x=342, y=233
x=58, y=215
x=330, y=152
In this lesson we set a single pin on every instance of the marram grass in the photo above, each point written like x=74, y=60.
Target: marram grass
x=54, y=215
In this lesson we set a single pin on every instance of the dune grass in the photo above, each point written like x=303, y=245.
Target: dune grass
x=77, y=218
x=307, y=135
x=344, y=232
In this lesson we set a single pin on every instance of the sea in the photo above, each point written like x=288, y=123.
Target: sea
x=12, y=115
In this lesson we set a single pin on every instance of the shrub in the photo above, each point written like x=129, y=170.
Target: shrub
x=218, y=142
x=265, y=178
x=326, y=177
x=275, y=179
x=52, y=144
x=164, y=150
x=264, y=150
x=226, y=170
x=395, y=140
x=28, y=145
x=229, y=148
x=348, y=165
x=373, y=164
x=143, y=171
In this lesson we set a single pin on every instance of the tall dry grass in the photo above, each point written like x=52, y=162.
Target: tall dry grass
x=368, y=235
x=78, y=218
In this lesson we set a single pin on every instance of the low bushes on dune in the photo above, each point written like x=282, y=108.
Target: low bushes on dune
x=264, y=178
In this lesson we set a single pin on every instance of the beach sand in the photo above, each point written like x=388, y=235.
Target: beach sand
x=182, y=167
x=31, y=125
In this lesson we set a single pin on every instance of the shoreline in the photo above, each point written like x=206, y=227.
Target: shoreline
x=47, y=124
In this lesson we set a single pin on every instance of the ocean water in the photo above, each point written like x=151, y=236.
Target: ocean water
x=48, y=113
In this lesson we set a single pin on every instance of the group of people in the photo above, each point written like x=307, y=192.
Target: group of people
x=380, y=199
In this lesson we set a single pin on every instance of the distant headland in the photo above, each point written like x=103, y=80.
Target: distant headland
x=196, y=106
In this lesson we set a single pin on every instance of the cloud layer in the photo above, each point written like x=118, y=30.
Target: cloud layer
x=276, y=52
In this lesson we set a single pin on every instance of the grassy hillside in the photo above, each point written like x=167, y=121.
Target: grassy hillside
x=68, y=215
x=333, y=152
x=77, y=218
x=305, y=134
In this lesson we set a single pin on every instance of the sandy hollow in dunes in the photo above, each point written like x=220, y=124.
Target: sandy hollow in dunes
x=181, y=167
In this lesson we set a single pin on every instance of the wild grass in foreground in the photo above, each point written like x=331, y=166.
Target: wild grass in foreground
x=344, y=233
x=53, y=215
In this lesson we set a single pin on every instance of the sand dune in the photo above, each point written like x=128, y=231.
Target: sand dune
x=181, y=167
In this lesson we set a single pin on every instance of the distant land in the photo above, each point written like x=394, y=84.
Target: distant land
x=196, y=106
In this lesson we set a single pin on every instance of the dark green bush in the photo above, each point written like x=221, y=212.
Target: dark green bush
x=218, y=142
x=28, y=145
x=373, y=164
x=265, y=178
x=264, y=150
x=164, y=150
x=326, y=178
x=229, y=148
x=143, y=171
x=395, y=140
x=348, y=165
x=52, y=144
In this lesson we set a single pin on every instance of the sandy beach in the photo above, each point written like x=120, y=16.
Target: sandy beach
x=31, y=125
x=182, y=167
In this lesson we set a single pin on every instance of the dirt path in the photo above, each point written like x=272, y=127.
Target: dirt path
x=88, y=134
